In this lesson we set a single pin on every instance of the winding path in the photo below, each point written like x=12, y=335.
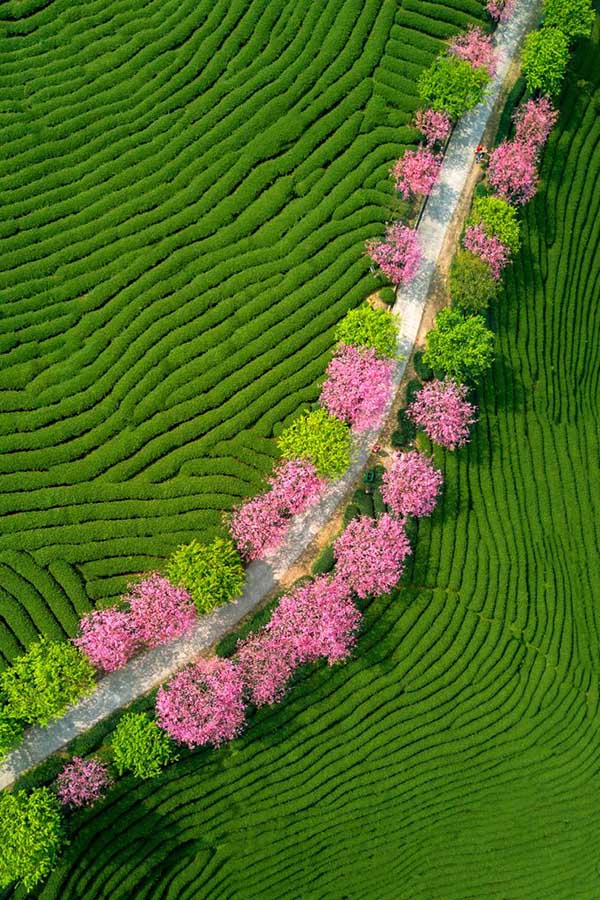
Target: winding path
x=151, y=668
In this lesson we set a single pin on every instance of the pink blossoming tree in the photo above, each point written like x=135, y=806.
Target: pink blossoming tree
x=159, y=610
x=489, y=248
x=295, y=485
x=500, y=10
x=358, y=386
x=442, y=410
x=434, y=126
x=399, y=255
x=260, y=524
x=475, y=46
x=411, y=485
x=316, y=619
x=82, y=782
x=416, y=172
x=108, y=637
x=370, y=554
x=512, y=172
x=534, y=121
x=266, y=662
x=203, y=704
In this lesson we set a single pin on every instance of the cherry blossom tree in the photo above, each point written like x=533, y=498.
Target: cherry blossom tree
x=434, y=126
x=82, y=782
x=203, y=704
x=160, y=611
x=399, y=255
x=416, y=172
x=370, y=554
x=295, y=485
x=442, y=410
x=411, y=485
x=534, y=121
x=489, y=248
x=512, y=171
x=316, y=619
x=500, y=10
x=358, y=386
x=475, y=46
x=108, y=637
x=266, y=661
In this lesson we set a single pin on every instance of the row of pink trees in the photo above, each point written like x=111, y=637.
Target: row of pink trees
x=155, y=611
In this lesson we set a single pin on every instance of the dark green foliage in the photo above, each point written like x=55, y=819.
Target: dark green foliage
x=573, y=17
x=31, y=835
x=424, y=371
x=544, y=60
x=472, y=285
x=452, y=85
x=351, y=512
x=41, y=685
x=412, y=388
x=364, y=502
x=140, y=746
x=458, y=347
x=406, y=431
x=212, y=573
x=388, y=295
x=324, y=562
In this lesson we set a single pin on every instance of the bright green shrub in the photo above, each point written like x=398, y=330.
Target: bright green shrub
x=212, y=573
x=472, y=285
x=452, y=85
x=544, y=60
x=11, y=733
x=321, y=438
x=41, y=685
x=498, y=218
x=574, y=18
x=368, y=327
x=31, y=834
x=461, y=348
x=140, y=746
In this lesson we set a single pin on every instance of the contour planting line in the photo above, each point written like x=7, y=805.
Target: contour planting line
x=152, y=667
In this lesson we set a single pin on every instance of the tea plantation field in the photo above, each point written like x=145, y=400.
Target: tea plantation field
x=186, y=189
x=458, y=755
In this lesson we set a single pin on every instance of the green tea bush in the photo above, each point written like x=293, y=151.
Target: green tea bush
x=140, y=746
x=472, y=285
x=424, y=371
x=574, y=18
x=498, y=218
x=452, y=85
x=41, y=685
x=458, y=347
x=544, y=60
x=212, y=573
x=31, y=836
x=321, y=438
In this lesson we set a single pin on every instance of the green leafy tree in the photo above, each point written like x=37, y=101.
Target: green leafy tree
x=368, y=327
x=472, y=285
x=452, y=85
x=574, y=18
x=41, y=685
x=212, y=573
x=140, y=746
x=322, y=438
x=11, y=733
x=459, y=348
x=498, y=218
x=31, y=835
x=544, y=60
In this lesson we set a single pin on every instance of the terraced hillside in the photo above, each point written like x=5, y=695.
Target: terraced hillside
x=186, y=189
x=458, y=755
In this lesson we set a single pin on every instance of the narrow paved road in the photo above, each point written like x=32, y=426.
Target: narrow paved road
x=155, y=666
